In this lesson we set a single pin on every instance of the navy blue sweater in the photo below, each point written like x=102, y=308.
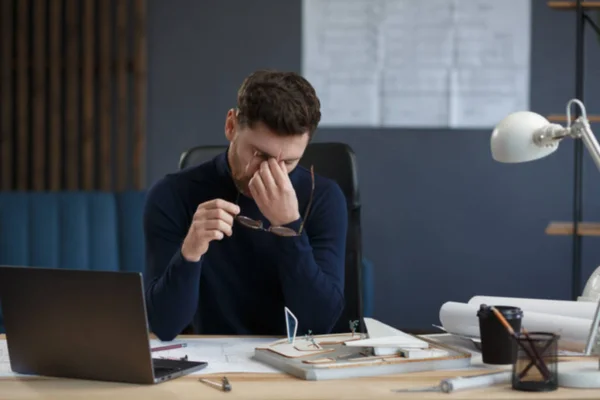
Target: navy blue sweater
x=242, y=283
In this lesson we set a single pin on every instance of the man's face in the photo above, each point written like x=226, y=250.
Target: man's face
x=251, y=147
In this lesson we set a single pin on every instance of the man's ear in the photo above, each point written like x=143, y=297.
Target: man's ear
x=230, y=123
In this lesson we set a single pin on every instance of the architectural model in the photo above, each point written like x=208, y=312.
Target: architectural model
x=381, y=350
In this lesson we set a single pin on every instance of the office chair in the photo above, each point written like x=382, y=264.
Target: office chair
x=337, y=162
x=199, y=154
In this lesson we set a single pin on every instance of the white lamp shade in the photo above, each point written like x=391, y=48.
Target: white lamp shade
x=512, y=139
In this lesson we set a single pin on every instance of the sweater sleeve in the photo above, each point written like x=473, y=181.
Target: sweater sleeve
x=171, y=282
x=312, y=266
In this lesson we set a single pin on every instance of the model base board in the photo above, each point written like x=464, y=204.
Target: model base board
x=325, y=357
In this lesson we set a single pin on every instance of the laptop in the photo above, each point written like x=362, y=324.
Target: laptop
x=81, y=324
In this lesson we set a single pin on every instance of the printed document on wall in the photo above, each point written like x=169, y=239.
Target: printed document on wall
x=425, y=63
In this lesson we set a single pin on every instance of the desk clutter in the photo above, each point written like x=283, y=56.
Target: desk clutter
x=498, y=328
x=541, y=329
x=384, y=350
x=571, y=318
x=223, y=355
x=519, y=342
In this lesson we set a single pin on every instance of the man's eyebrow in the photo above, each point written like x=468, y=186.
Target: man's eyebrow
x=266, y=154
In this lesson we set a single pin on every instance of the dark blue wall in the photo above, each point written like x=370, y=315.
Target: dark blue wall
x=442, y=220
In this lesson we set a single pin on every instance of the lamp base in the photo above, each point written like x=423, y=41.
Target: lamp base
x=579, y=375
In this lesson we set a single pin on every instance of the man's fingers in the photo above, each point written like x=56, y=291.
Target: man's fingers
x=252, y=188
x=220, y=225
x=259, y=186
x=267, y=176
x=213, y=235
x=279, y=174
x=212, y=220
x=220, y=203
x=213, y=225
x=214, y=213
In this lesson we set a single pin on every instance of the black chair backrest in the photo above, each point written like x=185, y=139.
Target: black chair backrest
x=198, y=155
x=335, y=161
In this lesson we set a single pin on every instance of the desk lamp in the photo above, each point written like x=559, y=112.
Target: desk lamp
x=526, y=136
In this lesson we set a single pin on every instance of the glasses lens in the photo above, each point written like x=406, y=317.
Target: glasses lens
x=250, y=223
x=282, y=231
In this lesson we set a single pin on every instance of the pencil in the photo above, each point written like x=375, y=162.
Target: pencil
x=224, y=386
x=533, y=357
x=537, y=354
x=170, y=347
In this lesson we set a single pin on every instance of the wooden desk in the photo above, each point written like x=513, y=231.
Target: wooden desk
x=268, y=386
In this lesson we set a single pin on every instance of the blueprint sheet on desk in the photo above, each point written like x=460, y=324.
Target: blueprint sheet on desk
x=224, y=355
x=4, y=361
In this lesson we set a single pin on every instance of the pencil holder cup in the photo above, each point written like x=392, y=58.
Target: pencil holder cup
x=536, y=366
x=497, y=345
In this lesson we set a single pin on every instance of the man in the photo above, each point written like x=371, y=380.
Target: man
x=228, y=242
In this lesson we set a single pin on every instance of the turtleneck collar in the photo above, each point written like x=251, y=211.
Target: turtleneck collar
x=224, y=171
x=223, y=166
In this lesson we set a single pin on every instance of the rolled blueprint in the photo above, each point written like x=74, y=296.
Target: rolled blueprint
x=461, y=319
x=566, y=308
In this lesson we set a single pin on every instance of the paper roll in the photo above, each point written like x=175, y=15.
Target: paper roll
x=473, y=382
x=566, y=308
x=461, y=319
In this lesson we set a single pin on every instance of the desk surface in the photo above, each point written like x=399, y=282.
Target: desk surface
x=269, y=386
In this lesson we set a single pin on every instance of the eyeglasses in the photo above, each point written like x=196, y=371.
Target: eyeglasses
x=279, y=230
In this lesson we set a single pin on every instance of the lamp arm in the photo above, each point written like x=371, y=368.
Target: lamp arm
x=551, y=134
x=581, y=128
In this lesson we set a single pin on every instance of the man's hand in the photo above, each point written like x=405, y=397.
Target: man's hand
x=274, y=194
x=212, y=221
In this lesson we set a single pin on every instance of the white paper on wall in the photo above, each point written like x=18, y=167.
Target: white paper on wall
x=426, y=63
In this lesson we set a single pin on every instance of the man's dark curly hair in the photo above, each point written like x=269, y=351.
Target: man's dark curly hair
x=284, y=101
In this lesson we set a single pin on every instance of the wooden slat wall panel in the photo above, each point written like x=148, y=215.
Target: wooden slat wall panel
x=105, y=95
x=72, y=78
x=140, y=93
x=72, y=94
x=55, y=98
x=22, y=36
x=122, y=125
x=6, y=94
x=39, y=96
x=88, y=95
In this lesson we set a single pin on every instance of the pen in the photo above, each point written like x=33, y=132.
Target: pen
x=170, y=347
x=184, y=358
x=224, y=386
